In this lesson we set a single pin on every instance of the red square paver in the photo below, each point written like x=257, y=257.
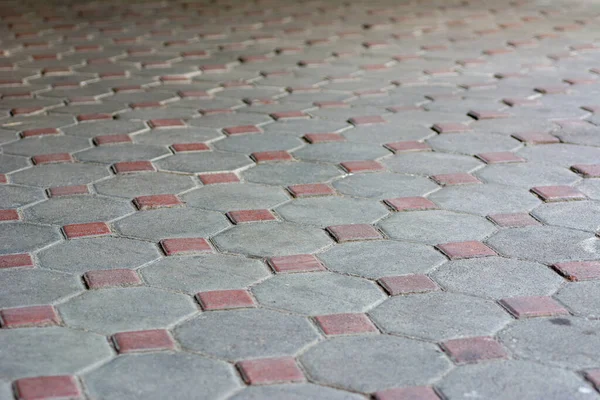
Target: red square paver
x=285, y=115
x=166, y=123
x=268, y=371
x=9, y=215
x=411, y=204
x=455, y=179
x=469, y=249
x=349, y=233
x=29, y=316
x=73, y=231
x=295, y=263
x=533, y=306
x=514, y=220
x=474, y=349
x=355, y=167
x=593, y=376
x=111, y=139
x=52, y=158
x=408, y=146
x=188, y=147
x=40, y=132
x=157, y=201
x=408, y=393
x=311, y=190
x=48, y=388
x=451, y=127
x=224, y=177
x=536, y=138
x=324, y=137
x=367, y=120
x=271, y=156
x=16, y=261
x=93, y=117
x=501, y=157
x=26, y=110
x=111, y=278
x=557, y=193
x=3, y=178
x=68, y=190
x=407, y=284
x=479, y=115
x=345, y=324
x=587, y=170
x=579, y=270
x=127, y=167
x=185, y=246
x=225, y=299
x=243, y=216
x=242, y=130
x=143, y=341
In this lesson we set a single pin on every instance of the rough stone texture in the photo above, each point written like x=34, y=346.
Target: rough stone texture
x=25, y=287
x=208, y=162
x=384, y=185
x=431, y=163
x=295, y=173
x=130, y=186
x=582, y=298
x=577, y=214
x=19, y=237
x=247, y=196
x=304, y=391
x=17, y=196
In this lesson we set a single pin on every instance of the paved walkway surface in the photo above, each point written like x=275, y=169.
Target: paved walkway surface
x=300, y=200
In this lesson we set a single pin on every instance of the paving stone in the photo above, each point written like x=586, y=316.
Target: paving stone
x=23, y=237
x=384, y=185
x=516, y=379
x=328, y=294
x=150, y=376
x=439, y=316
x=510, y=278
x=247, y=144
x=431, y=163
x=142, y=341
x=60, y=175
x=235, y=197
x=340, y=152
x=577, y=215
x=473, y=143
x=381, y=258
x=302, y=391
x=17, y=196
x=10, y=163
x=567, y=341
x=171, y=223
x=581, y=298
x=166, y=137
x=561, y=154
x=326, y=211
x=545, y=244
x=114, y=127
x=123, y=152
x=382, y=134
x=485, y=199
x=77, y=209
x=591, y=188
x=433, y=227
x=578, y=270
x=130, y=186
x=47, y=145
x=122, y=309
x=242, y=334
x=26, y=352
x=527, y=175
x=205, y=273
x=213, y=161
x=295, y=173
x=364, y=374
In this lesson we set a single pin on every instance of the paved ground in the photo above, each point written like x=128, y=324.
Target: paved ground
x=300, y=200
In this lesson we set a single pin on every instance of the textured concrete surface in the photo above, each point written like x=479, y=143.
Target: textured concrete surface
x=302, y=200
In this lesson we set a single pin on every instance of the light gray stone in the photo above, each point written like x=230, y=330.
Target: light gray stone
x=582, y=298
x=114, y=127
x=21, y=237
x=12, y=163
x=561, y=154
x=473, y=143
x=527, y=175
x=248, y=144
x=388, y=133
x=12, y=196
x=583, y=215
x=431, y=163
x=293, y=173
x=340, y=151
x=297, y=391
x=47, y=145
x=30, y=286
x=133, y=185
x=384, y=185
x=60, y=175
x=167, y=137
x=205, y=161
x=242, y=196
x=591, y=188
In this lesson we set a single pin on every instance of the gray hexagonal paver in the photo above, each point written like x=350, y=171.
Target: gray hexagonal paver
x=566, y=341
x=124, y=152
x=497, y=278
x=514, y=380
x=485, y=199
x=301, y=127
x=240, y=334
x=82, y=255
x=242, y=196
x=297, y=391
x=164, y=375
x=167, y=137
x=384, y=185
x=527, y=175
x=248, y=144
x=436, y=226
x=77, y=210
x=272, y=239
x=6, y=392
x=340, y=152
x=113, y=127
x=382, y=134
x=546, y=244
x=473, y=143
x=26, y=287
x=204, y=273
x=293, y=173
x=133, y=185
x=431, y=163
x=581, y=297
x=60, y=175
x=370, y=363
x=318, y=293
x=577, y=214
x=19, y=237
x=13, y=196
x=170, y=223
x=41, y=351
x=12, y=163
x=47, y=145
x=126, y=309
x=326, y=211
x=591, y=188
x=381, y=258
x=206, y=161
x=561, y=154
x=440, y=316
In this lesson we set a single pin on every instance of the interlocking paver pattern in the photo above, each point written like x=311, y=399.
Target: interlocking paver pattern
x=305, y=199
